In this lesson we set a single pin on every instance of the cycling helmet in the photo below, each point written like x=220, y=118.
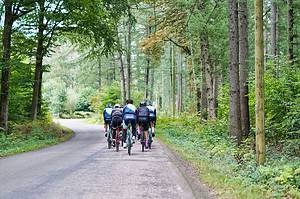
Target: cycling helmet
x=108, y=105
x=149, y=103
x=117, y=106
x=143, y=103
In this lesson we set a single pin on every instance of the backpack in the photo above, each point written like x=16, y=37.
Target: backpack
x=117, y=113
x=143, y=114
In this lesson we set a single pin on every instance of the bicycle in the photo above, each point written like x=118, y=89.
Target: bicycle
x=118, y=137
x=109, y=138
x=129, y=139
x=150, y=139
x=144, y=139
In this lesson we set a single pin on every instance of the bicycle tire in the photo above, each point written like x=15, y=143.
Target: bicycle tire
x=109, y=144
x=117, y=147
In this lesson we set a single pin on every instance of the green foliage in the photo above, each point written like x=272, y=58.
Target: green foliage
x=234, y=172
x=27, y=136
x=111, y=94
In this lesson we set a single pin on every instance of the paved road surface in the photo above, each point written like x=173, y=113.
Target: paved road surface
x=84, y=168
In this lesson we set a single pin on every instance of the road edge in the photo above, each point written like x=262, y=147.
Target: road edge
x=69, y=134
x=190, y=174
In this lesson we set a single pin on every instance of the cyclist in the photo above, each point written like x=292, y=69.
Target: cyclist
x=117, y=120
x=107, y=117
x=143, y=114
x=129, y=116
x=152, y=116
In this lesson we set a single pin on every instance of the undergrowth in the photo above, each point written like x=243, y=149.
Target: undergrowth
x=232, y=170
x=27, y=136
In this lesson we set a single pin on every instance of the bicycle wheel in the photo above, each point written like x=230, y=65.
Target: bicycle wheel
x=109, y=140
x=118, y=141
x=109, y=144
x=129, y=149
x=129, y=142
x=117, y=147
x=149, y=138
x=143, y=141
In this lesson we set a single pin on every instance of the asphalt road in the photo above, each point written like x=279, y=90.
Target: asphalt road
x=84, y=168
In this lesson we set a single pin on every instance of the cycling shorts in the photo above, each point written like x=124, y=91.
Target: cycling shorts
x=116, y=122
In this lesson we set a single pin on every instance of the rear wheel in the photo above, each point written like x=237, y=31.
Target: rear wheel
x=118, y=141
x=109, y=140
x=143, y=141
x=143, y=147
x=117, y=147
x=129, y=149
x=129, y=142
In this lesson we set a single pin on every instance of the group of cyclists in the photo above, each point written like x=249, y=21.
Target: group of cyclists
x=135, y=123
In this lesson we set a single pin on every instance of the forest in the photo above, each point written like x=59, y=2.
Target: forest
x=224, y=76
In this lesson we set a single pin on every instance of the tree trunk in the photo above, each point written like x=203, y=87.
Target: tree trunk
x=290, y=26
x=122, y=77
x=39, y=61
x=259, y=83
x=152, y=84
x=40, y=101
x=245, y=118
x=6, y=40
x=180, y=83
x=209, y=70
x=99, y=73
x=173, y=81
x=274, y=27
x=203, y=53
x=147, y=72
x=215, y=89
x=234, y=106
x=113, y=65
x=128, y=92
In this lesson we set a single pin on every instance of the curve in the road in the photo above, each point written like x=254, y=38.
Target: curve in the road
x=84, y=168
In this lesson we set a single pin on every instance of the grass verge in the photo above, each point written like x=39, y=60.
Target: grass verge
x=30, y=136
x=229, y=170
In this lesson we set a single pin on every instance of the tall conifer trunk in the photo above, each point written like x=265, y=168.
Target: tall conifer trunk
x=128, y=89
x=259, y=83
x=243, y=56
x=234, y=105
x=290, y=30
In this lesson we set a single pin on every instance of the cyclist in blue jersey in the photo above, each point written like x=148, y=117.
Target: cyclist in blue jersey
x=129, y=117
x=107, y=117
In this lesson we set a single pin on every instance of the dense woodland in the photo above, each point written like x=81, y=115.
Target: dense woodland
x=230, y=67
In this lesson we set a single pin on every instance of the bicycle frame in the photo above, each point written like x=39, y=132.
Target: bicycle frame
x=117, y=139
x=129, y=138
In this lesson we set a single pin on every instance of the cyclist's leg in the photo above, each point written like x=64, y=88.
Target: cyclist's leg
x=133, y=127
x=139, y=130
x=146, y=128
x=125, y=127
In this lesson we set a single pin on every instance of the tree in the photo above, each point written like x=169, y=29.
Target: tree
x=235, y=108
x=49, y=18
x=204, y=61
x=122, y=75
x=13, y=11
x=243, y=57
x=274, y=29
x=290, y=33
x=129, y=24
x=259, y=83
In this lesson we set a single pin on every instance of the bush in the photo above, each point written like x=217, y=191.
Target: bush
x=208, y=144
x=29, y=135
